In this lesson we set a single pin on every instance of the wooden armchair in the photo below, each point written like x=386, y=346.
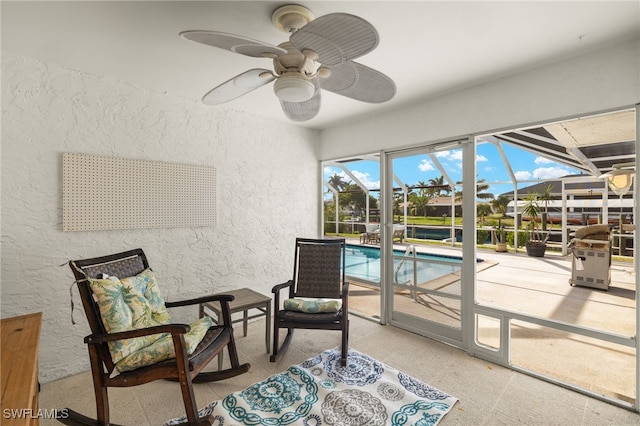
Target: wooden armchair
x=182, y=366
x=319, y=282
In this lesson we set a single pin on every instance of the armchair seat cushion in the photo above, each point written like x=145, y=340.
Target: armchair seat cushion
x=302, y=317
x=163, y=349
x=312, y=305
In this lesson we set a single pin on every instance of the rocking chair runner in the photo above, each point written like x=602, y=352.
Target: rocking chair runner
x=318, y=274
x=187, y=369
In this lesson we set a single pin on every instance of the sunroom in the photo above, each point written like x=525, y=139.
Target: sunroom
x=114, y=79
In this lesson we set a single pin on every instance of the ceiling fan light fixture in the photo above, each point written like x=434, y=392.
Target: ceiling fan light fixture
x=293, y=88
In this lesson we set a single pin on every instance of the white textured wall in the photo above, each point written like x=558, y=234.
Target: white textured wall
x=601, y=80
x=267, y=194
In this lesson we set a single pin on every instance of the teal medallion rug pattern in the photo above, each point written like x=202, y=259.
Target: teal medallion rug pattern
x=322, y=392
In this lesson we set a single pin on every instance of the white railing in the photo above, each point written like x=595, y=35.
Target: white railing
x=411, y=250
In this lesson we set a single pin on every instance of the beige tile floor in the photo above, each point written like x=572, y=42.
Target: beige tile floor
x=488, y=394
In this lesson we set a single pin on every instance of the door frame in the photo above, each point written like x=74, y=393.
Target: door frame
x=427, y=328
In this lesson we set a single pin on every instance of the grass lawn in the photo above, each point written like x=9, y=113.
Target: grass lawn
x=491, y=220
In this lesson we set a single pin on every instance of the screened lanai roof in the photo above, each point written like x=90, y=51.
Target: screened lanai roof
x=592, y=144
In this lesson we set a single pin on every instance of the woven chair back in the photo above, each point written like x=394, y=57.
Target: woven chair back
x=319, y=269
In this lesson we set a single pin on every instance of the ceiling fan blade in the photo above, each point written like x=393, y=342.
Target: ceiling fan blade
x=336, y=38
x=234, y=43
x=238, y=86
x=360, y=82
x=302, y=111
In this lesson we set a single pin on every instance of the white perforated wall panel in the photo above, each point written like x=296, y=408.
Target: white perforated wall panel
x=100, y=193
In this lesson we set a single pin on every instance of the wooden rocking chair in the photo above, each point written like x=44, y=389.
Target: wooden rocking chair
x=185, y=368
x=318, y=274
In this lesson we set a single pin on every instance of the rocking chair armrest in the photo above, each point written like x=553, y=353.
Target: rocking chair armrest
x=211, y=298
x=276, y=292
x=224, y=300
x=158, y=329
x=345, y=296
x=277, y=288
x=345, y=289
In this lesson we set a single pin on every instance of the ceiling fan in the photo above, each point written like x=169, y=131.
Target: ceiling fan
x=319, y=55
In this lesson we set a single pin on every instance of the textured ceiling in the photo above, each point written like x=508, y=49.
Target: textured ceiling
x=428, y=48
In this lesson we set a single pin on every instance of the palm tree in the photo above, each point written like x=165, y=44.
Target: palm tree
x=483, y=210
x=481, y=187
x=398, y=198
x=531, y=210
x=337, y=182
x=422, y=197
x=500, y=205
x=546, y=196
x=439, y=185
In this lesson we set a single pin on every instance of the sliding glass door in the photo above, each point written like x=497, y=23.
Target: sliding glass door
x=416, y=243
x=423, y=198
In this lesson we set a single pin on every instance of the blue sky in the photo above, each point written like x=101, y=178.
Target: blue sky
x=489, y=165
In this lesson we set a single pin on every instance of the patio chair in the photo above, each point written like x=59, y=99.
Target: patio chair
x=132, y=341
x=371, y=234
x=398, y=233
x=318, y=293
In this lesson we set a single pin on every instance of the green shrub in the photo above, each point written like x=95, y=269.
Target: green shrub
x=482, y=236
x=522, y=237
x=330, y=227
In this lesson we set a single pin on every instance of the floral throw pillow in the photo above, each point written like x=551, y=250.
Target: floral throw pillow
x=312, y=306
x=163, y=348
x=128, y=304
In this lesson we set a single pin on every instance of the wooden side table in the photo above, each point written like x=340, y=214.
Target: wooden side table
x=245, y=299
x=19, y=369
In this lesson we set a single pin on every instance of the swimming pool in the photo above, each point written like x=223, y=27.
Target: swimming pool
x=363, y=263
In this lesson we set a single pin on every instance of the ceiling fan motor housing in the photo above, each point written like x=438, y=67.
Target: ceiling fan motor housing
x=294, y=60
x=291, y=17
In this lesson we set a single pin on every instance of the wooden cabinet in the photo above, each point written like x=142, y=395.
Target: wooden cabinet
x=19, y=369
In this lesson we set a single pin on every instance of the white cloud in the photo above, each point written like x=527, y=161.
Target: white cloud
x=549, y=172
x=450, y=155
x=330, y=171
x=480, y=158
x=425, y=166
x=522, y=175
x=543, y=160
x=541, y=173
x=365, y=179
x=456, y=155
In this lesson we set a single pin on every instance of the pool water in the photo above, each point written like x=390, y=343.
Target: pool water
x=363, y=263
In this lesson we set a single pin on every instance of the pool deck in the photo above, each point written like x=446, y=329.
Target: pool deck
x=540, y=287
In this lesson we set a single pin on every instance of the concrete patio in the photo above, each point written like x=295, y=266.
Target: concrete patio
x=538, y=287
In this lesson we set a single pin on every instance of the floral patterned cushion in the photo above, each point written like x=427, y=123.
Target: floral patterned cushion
x=132, y=303
x=163, y=349
x=312, y=306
